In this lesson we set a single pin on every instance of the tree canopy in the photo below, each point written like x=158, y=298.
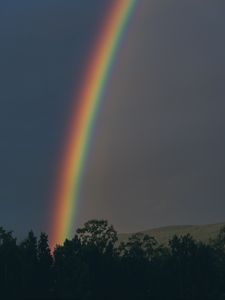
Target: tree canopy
x=93, y=265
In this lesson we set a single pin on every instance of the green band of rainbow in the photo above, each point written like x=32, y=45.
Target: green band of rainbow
x=83, y=119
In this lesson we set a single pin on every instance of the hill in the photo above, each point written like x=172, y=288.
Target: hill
x=199, y=232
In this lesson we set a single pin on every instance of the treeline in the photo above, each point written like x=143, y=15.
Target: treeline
x=94, y=266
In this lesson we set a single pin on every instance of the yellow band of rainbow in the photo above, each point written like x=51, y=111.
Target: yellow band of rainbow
x=83, y=117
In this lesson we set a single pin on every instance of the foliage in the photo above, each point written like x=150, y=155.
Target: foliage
x=94, y=266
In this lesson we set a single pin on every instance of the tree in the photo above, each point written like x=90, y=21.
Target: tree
x=98, y=240
x=9, y=264
x=28, y=250
x=45, y=262
x=218, y=244
x=136, y=258
x=70, y=270
x=99, y=235
x=192, y=266
x=139, y=246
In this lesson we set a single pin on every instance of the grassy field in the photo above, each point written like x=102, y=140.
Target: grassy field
x=199, y=232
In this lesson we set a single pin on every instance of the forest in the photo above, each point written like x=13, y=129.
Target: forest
x=93, y=265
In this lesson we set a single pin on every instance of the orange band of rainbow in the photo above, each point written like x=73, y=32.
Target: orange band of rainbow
x=83, y=117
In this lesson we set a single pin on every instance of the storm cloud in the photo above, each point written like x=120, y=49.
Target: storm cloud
x=157, y=156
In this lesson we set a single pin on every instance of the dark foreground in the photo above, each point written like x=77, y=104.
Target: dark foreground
x=93, y=266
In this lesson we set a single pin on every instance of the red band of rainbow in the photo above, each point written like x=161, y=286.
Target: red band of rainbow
x=83, y=117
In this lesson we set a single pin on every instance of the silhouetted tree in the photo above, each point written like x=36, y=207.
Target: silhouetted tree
x=98, y=240
x=218, y=245
x=98, y=235
x=139, y=247
x=70, y=270
x=9, y=264
x=28, y=249
x=45, y=262
x=192, y=268
x=136, y=258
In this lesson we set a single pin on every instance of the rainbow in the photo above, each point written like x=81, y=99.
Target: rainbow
x=84, y=114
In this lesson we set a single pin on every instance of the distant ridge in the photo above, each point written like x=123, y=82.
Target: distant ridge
x=163, y=234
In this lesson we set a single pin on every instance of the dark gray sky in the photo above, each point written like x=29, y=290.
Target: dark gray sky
x=157, y=156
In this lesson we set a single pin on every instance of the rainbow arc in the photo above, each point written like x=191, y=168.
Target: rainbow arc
x=83, y=117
